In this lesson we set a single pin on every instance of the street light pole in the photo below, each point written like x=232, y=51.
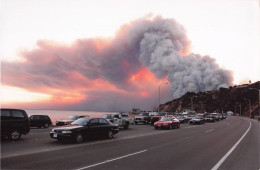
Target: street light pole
x=159, y=95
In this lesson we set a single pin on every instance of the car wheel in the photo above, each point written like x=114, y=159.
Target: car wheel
x=14, y=135
x=46, y=125
x=110, y=134
x=126, y=125
x=79, y=138
x=170, y=127
x=155, y=127
x=178, y=126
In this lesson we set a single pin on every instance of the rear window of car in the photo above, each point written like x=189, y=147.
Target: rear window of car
x=103, y=122
x=17, y=114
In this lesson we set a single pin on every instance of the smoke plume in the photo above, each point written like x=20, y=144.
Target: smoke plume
x=159, y=44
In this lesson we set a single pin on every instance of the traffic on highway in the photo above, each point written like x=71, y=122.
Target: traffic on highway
x=175, y=144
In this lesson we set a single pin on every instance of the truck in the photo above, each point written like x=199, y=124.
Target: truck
x=119, y=118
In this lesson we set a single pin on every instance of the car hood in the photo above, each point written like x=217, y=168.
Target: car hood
x=68, y=127
x=65, y=120
x=163, y=122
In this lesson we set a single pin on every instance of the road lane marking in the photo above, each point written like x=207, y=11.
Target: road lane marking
x=220, y=162
x=209, y=130
x=111, y=160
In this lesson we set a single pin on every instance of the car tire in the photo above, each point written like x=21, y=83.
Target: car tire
x=110, y=134
x=178, y=126
x=126, y=126
x=79, y=138
x=170, y=127
x=46, y=125
x=155, y=127
x=14, y=135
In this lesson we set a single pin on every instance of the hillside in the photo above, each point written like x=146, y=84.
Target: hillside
x=234, y=98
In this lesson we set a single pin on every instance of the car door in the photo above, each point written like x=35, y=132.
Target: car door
x=103, y=126
x=93, y=127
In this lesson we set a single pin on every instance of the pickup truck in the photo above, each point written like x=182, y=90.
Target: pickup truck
x=117, y=118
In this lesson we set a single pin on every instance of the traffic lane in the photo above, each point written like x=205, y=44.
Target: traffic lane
x=249, y=157
x=200, y=150
x=38, y=140
x=82, y=155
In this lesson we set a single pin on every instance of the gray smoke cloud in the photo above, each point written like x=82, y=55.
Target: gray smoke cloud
x=156, y=43
x=160, y=43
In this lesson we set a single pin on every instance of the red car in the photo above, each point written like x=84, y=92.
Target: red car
x=167, y=122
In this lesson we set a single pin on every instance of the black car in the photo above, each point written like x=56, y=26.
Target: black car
x=14, y=123
x=40, y=121
x=84, y=128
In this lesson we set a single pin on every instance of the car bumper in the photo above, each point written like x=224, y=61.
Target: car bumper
x=61, y=136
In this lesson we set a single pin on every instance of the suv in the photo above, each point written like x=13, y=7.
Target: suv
x=118, y=119
x=142, y=118
x=14, y=123
x=40, y=121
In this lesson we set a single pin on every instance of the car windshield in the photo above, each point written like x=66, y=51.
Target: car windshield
x=124, y=114
x=144, y=114
x=74, y=117
x=166, y=119
x=197, y=117
x=161, y=114
x=107, y=116
x=81, y=122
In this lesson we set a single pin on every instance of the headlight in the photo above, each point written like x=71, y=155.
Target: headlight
x=155, y=123
x=52, y=130
x=66, y=131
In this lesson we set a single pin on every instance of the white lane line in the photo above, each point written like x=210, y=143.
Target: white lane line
x=231, y=150
x=209, y=130
x=111, y=160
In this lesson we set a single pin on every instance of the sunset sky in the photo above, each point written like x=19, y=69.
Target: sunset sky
x=64, y=54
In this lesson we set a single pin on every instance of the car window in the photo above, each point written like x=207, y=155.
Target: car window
x=103, y=122
x=116, y=116
x=17, y=114
x=93, y=122
x=81, y=122
x=5, y=114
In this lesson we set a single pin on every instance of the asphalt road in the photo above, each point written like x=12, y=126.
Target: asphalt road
x=233, y=143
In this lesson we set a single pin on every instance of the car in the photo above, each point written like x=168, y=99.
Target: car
x=167, y=122
x=83, y=128
x=69, y=120
x=216, y=116
x=118, y=119
x=142, y=118
x=197, y=120
x=156, y=117
x=40, y=121
x=182, y=119
x=209, y=118
x=14, y=123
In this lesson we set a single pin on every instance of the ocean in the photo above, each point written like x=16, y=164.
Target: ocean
x=63, y=115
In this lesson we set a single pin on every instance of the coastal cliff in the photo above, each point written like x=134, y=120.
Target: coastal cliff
x=235, y=98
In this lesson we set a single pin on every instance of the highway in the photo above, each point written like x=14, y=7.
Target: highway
x=233, y=143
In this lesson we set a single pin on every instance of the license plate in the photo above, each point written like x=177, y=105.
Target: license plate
x=55, y=135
